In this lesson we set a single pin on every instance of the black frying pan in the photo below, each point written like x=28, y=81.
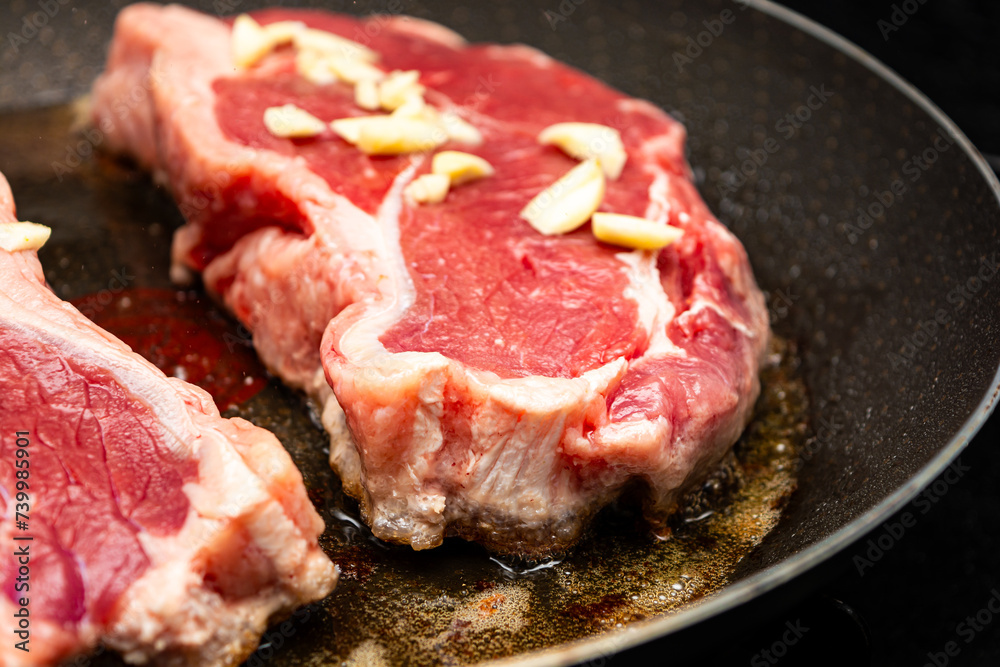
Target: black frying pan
x=898, y=341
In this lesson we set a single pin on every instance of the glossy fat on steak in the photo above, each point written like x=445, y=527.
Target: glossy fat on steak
x=477, y=378
x=157, y=528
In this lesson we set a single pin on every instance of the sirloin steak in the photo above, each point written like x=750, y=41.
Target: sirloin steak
x=477, y=378
x=155, y=526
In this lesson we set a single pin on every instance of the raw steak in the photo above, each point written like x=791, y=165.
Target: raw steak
x=487, y=381
x=156, y=527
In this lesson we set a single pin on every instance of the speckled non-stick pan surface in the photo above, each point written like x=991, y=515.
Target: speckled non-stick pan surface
x=871, y=224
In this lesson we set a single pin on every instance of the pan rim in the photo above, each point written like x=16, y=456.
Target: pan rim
x=774, y=576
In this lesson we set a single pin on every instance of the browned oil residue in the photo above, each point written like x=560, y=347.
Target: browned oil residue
x=597, y=612
x=353, y=564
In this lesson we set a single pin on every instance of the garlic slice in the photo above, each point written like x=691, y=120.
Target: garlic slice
x=415, y=107
x=389, y=135
x=281, y=32
x=588, y=140
x=314, y=67
x=428, y=189
x=366, y=94
x=460, y=167
x=322, y=68
x=449, y=122
x=460, y=130
x=250, y=41
x=290, y=121
x=334, y=45
x=633, y=232
x=569, y=202
x=18, y=236
x=349, y=129
x=398, y=88
x=354, y=71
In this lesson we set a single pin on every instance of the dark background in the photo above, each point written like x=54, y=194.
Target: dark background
x=942, y=570
x=947, y=49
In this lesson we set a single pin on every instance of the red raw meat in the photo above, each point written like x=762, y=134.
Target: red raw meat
x=157, y=527
x=476, y=377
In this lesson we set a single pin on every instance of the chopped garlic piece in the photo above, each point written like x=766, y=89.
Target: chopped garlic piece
x=428, y=189
x=366, y=95
x=399, y=135
x=415, y=107
x=349, y=129
x=291, y=121
x=18, y=236
x=281, y=32
x=460, y=167
x=354, y=71
x=322, y=68
x=569, y=202
x=313, y=66
x=249, y=43
x=449, y=122
x=333, y=45
x=460, y=130
x=412, y=126
x=633, y=232
x=589, y=140
x=398, y=88
x=389, y=135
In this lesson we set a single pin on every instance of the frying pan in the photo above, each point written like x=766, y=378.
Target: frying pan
x=869, y=218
